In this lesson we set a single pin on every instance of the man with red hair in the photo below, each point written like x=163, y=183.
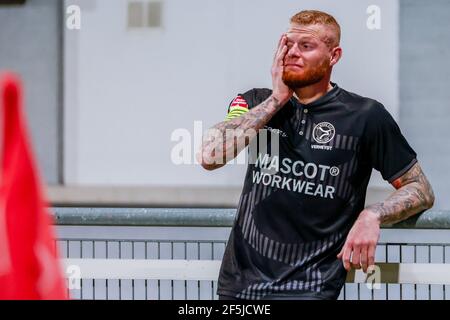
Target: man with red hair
x=301, y=222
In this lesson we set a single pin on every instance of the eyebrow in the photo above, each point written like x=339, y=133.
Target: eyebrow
x=305, y=38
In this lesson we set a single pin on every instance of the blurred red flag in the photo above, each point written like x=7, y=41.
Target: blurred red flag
x=29, y=265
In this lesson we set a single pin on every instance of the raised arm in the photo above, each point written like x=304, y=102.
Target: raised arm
x=225, y=140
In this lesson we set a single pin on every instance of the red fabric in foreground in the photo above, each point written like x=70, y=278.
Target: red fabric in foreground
x=29, y=265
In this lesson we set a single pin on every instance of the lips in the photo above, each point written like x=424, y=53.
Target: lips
x=293, y=65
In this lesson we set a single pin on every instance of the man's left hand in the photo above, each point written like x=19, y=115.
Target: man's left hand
x=359, y=248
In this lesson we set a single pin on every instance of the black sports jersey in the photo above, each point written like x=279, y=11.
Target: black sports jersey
x=297, y=206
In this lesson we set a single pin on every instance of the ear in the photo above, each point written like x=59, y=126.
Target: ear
x=336, y=54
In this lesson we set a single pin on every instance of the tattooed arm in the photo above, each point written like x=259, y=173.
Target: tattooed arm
x=225, y=140
x=413, y=195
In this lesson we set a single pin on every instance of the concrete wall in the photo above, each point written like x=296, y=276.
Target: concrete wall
x=30, y=45
x=424, y=88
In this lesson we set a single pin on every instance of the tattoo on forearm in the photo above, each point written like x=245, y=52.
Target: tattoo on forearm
x=413, y=195
x=226, y=139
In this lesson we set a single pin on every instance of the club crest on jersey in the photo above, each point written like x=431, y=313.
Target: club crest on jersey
x=323, y=132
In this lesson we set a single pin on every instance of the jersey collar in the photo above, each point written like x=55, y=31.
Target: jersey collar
x=322, y=100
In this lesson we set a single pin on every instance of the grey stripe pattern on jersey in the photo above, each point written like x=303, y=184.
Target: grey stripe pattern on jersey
x=257, y=291
x=288, y=253
x=247, y=204
x=341, y=182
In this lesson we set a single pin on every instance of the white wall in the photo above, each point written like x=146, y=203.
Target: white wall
x=127, y=90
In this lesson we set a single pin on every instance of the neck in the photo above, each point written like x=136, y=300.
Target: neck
x=313, y=92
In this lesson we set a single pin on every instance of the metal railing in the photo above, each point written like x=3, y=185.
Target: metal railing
x=189, y=217
x=201, y=234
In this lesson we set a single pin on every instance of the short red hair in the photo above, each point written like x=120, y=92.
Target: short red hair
x=309, y=17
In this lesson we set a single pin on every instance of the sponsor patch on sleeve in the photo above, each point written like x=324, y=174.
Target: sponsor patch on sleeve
x=238, y=107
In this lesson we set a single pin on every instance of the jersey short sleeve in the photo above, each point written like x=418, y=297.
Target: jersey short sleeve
x=244, y=102
x=386, y=147
x=237, y=107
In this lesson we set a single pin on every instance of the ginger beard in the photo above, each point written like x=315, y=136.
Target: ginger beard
x=307, y=76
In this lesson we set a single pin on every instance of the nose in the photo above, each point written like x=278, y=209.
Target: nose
x=294, y=51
